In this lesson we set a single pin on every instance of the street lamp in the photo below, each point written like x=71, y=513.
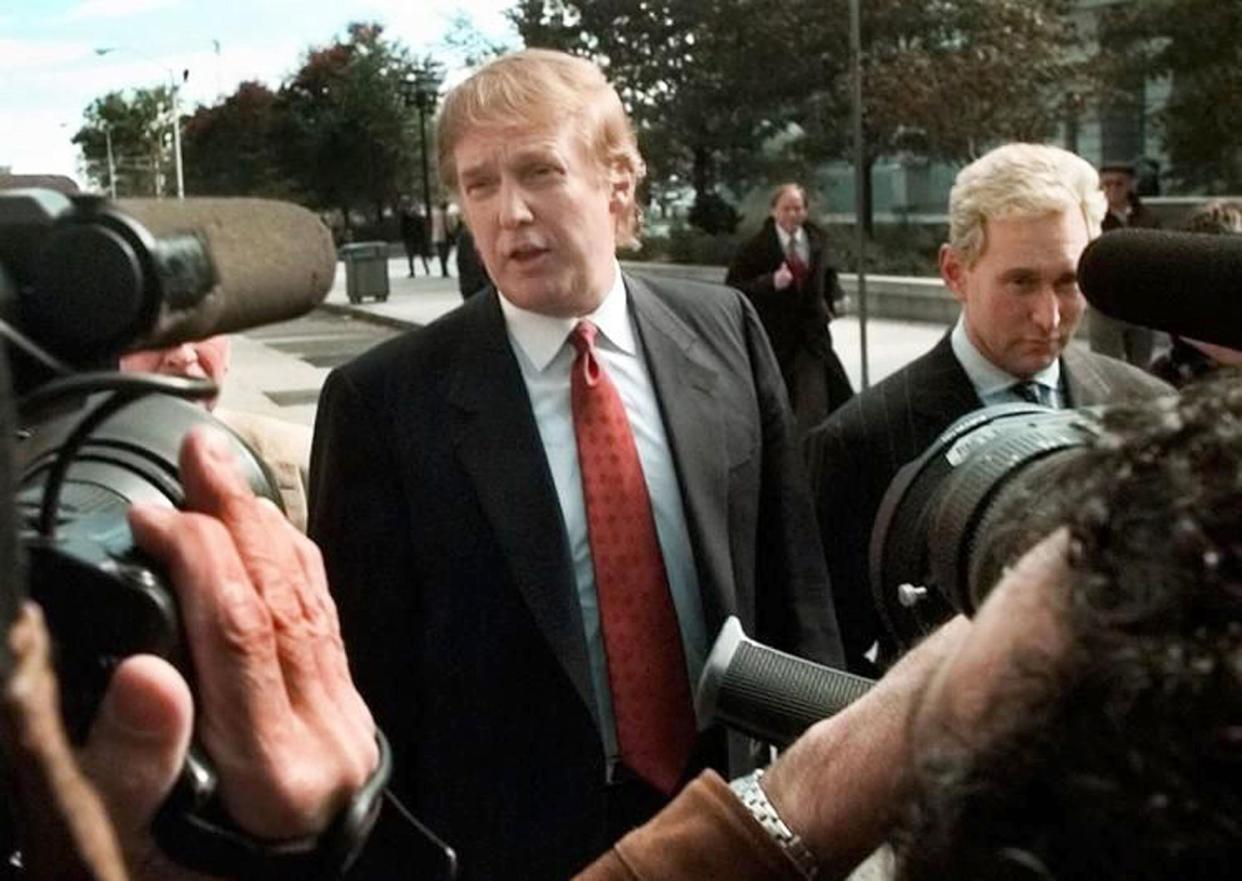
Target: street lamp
x=111, y=162
x=421, y=90
x=175, y=93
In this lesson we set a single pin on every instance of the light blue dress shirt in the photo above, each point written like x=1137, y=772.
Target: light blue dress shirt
x=541, y=345
x=994, y=385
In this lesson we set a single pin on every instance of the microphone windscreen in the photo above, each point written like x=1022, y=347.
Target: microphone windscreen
x=1188, y=284
x=275, y=261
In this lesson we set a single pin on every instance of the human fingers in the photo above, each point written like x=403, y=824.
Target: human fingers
x=136, y=747
x=245, y=719
x=214, y=486
x=330, y=649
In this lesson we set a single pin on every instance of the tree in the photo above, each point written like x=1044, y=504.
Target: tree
x=710, y=83
x=1198, y=44
x=942, y=79
x=229, y=148
x=138, y=125
x=703, y=80
x=342, y=125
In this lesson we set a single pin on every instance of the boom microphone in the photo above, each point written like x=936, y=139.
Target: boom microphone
x=1188, y=284
x=88, y=278
x=275, y=261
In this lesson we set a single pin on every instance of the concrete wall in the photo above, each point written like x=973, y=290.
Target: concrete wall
x=900, y=298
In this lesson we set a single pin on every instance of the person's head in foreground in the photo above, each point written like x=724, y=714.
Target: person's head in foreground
x=1019, y=219
x=198, y=359
x=1091, y=725
x=545, y=165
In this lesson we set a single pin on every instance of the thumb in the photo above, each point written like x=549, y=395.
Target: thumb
x=138, y=743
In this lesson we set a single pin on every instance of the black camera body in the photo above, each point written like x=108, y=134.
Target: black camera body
x=103, y=599
x=81, y=282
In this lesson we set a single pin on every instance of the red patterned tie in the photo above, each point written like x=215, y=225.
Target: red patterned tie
x=646, y=666
x=797, y=266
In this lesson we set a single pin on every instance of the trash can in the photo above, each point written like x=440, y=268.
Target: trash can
x=366, y=270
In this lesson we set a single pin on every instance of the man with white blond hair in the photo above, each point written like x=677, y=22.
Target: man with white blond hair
x=1019, y=219
x=537, y=511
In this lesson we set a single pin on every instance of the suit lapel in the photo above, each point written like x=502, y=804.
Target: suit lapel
x=498, y=444
x=685, y=387
x=1084, y=384
x=939, y=391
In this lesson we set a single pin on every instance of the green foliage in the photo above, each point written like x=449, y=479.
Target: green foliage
x=713, y=214
x=745, y=90
x=139, y=125
x=1198, y=43
x=345, y=127
x=704, y=80
x=229, y=147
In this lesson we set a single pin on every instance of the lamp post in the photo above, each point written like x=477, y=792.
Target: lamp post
x=111, y=163
x=421, y=90
x=174, y=96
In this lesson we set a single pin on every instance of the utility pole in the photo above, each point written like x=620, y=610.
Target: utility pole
x=175, y=100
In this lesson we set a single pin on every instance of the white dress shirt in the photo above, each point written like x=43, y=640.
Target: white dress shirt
x=994, y=385
x=541, y=345
x=798, y=237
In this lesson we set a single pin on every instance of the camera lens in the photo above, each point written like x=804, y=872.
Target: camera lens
x=953, y=519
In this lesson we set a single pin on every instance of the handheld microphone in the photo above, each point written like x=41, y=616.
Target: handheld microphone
x=767, y=693
x=1188, y=284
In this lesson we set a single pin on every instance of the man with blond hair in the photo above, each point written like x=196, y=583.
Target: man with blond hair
x=537, y=511
x=1019, y=219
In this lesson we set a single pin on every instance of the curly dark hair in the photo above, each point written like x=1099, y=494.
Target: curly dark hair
x=1121, y=758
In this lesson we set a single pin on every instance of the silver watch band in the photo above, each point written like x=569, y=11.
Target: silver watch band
x=751, y=794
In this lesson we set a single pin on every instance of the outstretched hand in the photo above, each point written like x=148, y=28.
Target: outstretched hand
x=277, y=711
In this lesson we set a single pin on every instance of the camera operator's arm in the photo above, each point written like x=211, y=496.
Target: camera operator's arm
x=277, y=711
x=839, y=787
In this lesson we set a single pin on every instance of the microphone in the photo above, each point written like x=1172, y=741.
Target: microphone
x=274, y=260
x=767, y=693
x=95, y=278
x=1188, y=284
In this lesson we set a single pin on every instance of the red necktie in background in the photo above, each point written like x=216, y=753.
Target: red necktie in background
x=646, y=666
x=797, y=266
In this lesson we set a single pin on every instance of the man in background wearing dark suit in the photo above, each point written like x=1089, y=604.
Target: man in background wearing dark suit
x=537, y=511
x=786, y=273
x=1019, y=219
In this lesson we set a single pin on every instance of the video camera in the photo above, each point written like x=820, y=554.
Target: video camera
x=953, y=519
x=81, y=281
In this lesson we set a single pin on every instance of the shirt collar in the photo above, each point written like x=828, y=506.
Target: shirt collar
x=785, y=237
x=540, y=337
x=986, y=377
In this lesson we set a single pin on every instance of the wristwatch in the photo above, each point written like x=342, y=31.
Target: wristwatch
x=751, y=794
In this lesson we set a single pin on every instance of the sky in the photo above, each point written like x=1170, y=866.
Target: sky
x=50, y=72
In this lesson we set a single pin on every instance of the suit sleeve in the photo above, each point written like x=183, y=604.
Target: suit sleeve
x=793, y=600
x=359, y=518
x=845, y=510
x=750, y=273
x=703, y=833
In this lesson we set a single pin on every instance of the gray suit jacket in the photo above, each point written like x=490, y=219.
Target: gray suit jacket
x=432, y=500
x=856, y=452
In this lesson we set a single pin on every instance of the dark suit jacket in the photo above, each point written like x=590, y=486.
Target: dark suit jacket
x=793, y=319
x=440, y=526
x=856, y=452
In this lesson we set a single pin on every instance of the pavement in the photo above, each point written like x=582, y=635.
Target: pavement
x=267, y=380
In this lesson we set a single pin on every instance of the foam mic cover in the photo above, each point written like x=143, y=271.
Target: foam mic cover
x=274, y=261
x=1188, y=284
x=767, y=693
